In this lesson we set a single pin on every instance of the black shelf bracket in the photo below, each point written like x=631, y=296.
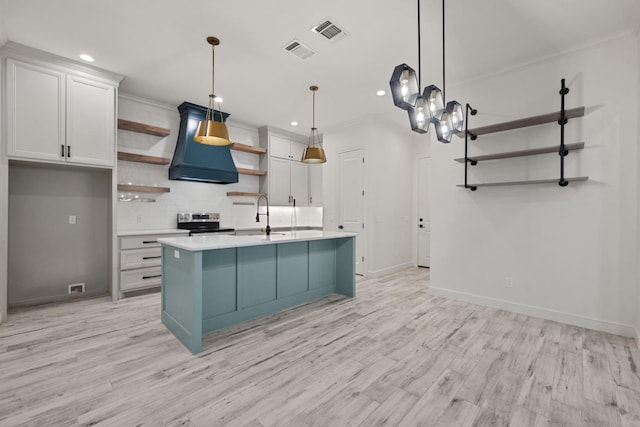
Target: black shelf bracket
x=562, y=152
x=473, y=137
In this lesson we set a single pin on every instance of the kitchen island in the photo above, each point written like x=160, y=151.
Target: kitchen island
x=210, y=282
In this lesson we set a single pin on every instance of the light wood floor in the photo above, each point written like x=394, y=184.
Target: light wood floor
x=395, y=355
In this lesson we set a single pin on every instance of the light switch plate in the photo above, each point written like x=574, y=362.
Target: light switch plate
x=72, y=219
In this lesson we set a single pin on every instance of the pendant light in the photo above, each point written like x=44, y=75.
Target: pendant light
x=429, y=106
x=313, y=154
x=210, y=131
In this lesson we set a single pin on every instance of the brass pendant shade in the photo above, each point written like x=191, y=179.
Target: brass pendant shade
x=210, y=131
x=313, y=154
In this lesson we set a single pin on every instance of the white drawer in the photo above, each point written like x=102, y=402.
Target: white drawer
x=138, y=242
x=140, y=278
x=137, y=258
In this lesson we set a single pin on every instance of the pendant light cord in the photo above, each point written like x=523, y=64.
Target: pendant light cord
x=443, y=73
x=419, y=54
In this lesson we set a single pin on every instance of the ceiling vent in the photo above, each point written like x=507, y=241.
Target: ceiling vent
x=298, y=49
x=330, y=30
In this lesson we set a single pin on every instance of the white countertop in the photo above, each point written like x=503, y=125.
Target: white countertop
x=204, y=243
x=149, y=232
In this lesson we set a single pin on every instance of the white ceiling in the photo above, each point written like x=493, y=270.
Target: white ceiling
x=159, y=45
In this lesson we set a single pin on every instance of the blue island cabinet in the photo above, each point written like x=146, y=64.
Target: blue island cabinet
x=205, y=290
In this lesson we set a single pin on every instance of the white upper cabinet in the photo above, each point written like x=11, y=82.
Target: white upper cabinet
x=288, y=179
x=58, y=111
x=90, y=122
x=35, y=112
x=315, y=185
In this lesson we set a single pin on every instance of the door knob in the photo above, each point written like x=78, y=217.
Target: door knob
x=340, y=227
x=421, y=226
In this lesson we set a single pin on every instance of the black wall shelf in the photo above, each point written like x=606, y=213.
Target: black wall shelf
x=525, y=182
x=521, y=153
x=524, y=123
x=561, y=117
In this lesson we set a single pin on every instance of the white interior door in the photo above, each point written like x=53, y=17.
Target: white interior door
x=352, y=200
x=424, y=212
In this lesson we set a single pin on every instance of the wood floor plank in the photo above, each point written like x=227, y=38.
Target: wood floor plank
x=599, y=385
x=567, y=384
x=535, y=394
x=392, y=410
x=628, y=406
x=395, y=355
x=434, y=401
x=596, y=415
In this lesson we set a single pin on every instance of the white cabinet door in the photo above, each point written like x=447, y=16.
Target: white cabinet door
x=297, y=150
x=35, y=112
x=315, y=185
x=90, y=122
x=300, y=183
x=279, y=147
x=279, y=182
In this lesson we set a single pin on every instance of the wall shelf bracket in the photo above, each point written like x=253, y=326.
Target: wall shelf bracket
x=467, y=135
x=562, y=121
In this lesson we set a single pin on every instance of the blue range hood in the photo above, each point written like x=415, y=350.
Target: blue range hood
x=193, y=161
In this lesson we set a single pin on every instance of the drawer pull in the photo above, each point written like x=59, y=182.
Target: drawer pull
x=152, y=277
x=152, y=257
x=146, y=242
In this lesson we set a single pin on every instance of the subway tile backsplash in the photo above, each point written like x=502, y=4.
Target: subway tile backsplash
x=190, y=196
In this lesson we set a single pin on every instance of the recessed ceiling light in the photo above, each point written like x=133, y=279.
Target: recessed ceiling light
x=294, y=123
x=218, y=99
x=86, y=57
x=381, y=93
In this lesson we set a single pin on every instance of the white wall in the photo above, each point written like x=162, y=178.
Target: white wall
x=571, y=252
x=390, y=164
x=637, y=334
x=186, y=196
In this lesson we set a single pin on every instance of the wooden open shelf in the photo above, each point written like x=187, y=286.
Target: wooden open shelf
x=254, y=172
x=527, y=182
x=140, y=158
x=247, y=148
x=142, y=128
x=526, y=122
x=522, y=153
x=242, y=194
x=143, y=188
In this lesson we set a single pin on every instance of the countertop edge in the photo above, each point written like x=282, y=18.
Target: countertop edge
x=205, y=243
x=127, y=233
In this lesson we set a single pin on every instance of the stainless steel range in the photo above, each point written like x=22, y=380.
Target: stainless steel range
x=202, y=223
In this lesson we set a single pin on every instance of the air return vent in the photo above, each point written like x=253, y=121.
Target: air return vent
x=330, y=30
x=298, y=49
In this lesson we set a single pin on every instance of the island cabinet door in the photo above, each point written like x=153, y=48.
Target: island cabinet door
x=322, y=264
x=219, y=288
x=293, y=268
x=256, y=275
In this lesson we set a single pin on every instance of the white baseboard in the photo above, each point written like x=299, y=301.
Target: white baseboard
x=637, y=337
x=545, y=313
x=389, y=270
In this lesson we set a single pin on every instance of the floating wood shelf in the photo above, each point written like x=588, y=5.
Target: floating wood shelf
x=242, y=194
x=522, y=153
x=523, y=123
x=247, y=148
x=143, y=188
x=254, y=172
x=140, y=158
x=142, y=128
x=527, y=182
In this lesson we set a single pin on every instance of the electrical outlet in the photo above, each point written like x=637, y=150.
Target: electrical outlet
x=176, y=254
x=139, y=219
x=72, y=219
x=508, y=282
x=76, y=288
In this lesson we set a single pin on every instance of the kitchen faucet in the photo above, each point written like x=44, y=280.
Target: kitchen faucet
x=268, y=229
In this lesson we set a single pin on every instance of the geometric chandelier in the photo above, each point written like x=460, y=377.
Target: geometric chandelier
x=429, y=105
